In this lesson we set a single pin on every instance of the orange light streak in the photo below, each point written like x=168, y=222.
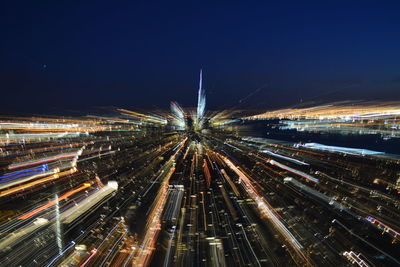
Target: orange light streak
x=46, y=179
x=51, y=203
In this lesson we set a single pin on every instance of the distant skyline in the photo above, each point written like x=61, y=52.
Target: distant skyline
x=74, y=55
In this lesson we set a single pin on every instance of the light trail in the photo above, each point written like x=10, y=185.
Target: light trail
x=22, y=173
x=386, y=229
x=267, y=210
x=41, y=150
x=229, y=180
x=153, y=226
x=71, y=245
x=336, y=111
x=44, y=166
x=206, y=173
x=346, y=150
x=300, y=173
x=53, y=202
x=92, y=254
x=45, y=160
x=13, y=182
x=56, y=175
x=73, y=213
x=8, y=139
x=284, y=157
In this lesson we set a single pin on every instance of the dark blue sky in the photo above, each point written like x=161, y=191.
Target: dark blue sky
x=79, y=54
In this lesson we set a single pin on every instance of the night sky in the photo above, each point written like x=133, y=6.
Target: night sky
x=77, y=54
